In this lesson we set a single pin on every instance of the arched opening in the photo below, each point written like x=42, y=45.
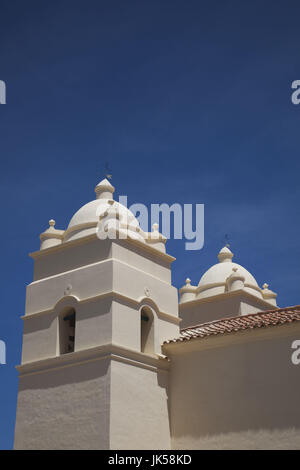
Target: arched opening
x=147, y=330
x=67, y=324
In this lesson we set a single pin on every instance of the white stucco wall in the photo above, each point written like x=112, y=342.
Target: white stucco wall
x=139, y=408
x=239, y=391
x=225, y=305
x=65, y=408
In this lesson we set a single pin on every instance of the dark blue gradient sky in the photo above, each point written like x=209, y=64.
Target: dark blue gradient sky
x=189, y=101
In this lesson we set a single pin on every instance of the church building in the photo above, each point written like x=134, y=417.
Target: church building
x=112, y=359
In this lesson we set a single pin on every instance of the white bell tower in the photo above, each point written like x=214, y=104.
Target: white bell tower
x=92, y=375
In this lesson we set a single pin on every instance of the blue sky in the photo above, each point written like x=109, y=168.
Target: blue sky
x=189, y=101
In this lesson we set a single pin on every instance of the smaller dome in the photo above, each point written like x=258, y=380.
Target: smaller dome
x=214, y=280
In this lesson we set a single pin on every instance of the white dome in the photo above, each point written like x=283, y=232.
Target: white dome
x=213, y=281
x=220, y=272
x=86, y=220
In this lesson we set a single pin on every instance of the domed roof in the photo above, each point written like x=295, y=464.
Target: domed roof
x=86, y=220
x=213, y=281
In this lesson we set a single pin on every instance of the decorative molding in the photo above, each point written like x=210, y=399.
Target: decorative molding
x=117, y=296
x=106, y=351
x=225, y=295
x=223, y=284
x=69, y=244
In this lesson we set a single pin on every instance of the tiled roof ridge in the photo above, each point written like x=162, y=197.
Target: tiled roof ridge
x=228, y=325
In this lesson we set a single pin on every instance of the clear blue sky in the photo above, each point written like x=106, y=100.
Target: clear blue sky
x=189, y=101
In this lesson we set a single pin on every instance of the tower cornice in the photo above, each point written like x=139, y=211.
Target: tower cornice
x=111, y=351
x=80, y=241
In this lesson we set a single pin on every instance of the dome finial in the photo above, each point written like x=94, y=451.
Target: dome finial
x=268, y=294
x=225, y=254
x=104, y=190
x=51, y=236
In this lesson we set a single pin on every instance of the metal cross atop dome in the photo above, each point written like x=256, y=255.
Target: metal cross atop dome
x=226, y=240
x=108, y=171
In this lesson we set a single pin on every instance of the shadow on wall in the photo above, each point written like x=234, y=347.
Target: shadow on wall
x=147, y=331
x=163, y=382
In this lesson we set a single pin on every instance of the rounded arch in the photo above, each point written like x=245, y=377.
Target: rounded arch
x=67, y=301
x=148, y=302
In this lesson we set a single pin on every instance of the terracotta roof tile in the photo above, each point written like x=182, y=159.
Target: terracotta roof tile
x=242, y=322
